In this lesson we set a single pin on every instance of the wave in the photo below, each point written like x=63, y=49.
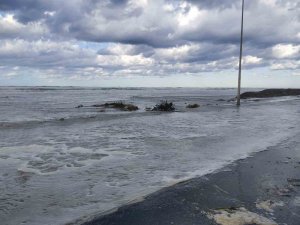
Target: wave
x=70, y=120
x=71, y=88
x=170, y=182
x=117, y=114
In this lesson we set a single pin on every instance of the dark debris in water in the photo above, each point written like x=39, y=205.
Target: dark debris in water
x=164, y=106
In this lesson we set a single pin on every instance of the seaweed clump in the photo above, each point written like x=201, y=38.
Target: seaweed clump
x=164, y=106
x=193, y=106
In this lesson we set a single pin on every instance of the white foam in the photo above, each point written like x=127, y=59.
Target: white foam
x=41, y=159
x=240, y=216
x=269, y=205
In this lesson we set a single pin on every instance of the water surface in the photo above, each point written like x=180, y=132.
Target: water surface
x=54, y=172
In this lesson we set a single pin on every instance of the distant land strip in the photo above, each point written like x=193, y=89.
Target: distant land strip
x=268, y=93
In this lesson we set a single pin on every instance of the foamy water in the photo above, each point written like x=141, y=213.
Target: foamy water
x=54, y=172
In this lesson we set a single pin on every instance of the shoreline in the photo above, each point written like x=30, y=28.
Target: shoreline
x=262, y=187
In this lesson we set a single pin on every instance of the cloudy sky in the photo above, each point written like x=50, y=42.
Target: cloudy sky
x=149, y=42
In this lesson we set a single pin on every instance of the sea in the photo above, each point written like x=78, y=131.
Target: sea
x=60, y=164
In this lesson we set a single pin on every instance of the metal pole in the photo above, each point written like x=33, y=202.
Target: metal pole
x=238, y=103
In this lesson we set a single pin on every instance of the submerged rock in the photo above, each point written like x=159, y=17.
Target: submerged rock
x=130, y=107
x=164, y=106
x=119, y=105
x=192, y=106
x=98, y=105
x=79, y=106
x=268, y=93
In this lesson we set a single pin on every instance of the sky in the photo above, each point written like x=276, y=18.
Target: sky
x=149, y=43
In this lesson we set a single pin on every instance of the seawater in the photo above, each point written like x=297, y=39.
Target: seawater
x=55, y=171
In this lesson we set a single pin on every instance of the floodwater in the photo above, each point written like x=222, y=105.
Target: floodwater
x=55, y=171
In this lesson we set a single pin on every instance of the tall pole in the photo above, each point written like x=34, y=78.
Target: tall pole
x=238, y=103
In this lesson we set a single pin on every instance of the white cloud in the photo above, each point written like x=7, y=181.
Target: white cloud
x=282, y=51
x=189, y=15
x=286, y=65
x=251, y=60
x=41, y=53
x=271, y=3
x=124, y=60
x=178, y=52
x=49, y=13
x=138, y=3
x=11, y=28
x=120, y=49
x=169, y=7
x=296, y=73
